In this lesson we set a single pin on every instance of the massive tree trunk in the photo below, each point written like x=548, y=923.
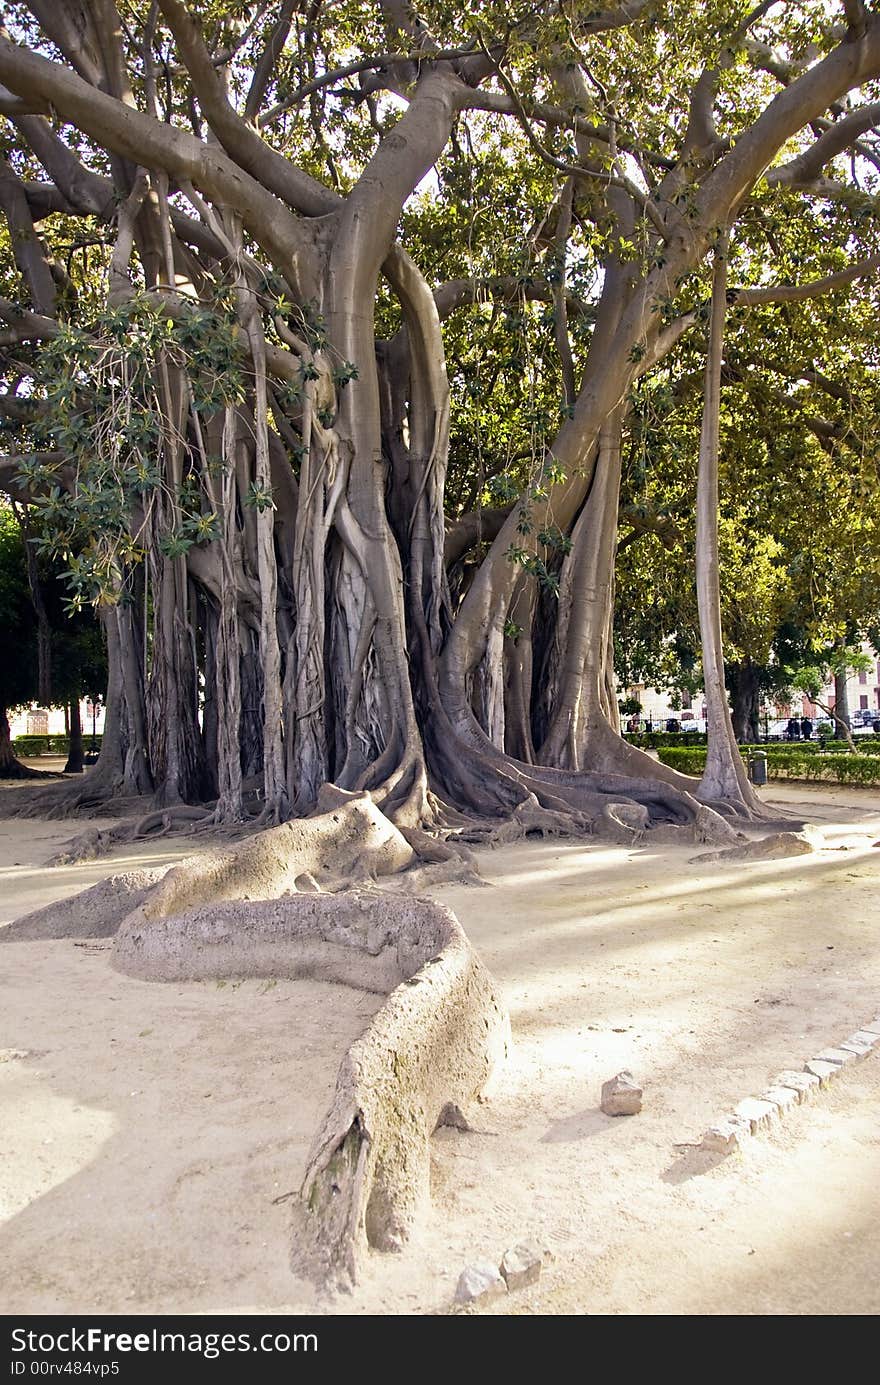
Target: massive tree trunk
x=295, y=553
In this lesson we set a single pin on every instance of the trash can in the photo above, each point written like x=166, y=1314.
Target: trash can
x=758, y=767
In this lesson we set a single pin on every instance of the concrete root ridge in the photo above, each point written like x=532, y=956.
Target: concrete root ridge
x=434, y=1042
x=96, y=912
x=253, y=911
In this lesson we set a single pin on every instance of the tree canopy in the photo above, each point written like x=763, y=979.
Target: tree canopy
x=338, y=338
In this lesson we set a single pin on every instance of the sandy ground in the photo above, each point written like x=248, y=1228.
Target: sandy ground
x=147, y=1134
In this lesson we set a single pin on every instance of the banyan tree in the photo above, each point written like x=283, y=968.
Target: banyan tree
x=236, y=424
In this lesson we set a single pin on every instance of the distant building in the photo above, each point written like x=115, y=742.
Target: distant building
x=863, y=695
x=42, y=721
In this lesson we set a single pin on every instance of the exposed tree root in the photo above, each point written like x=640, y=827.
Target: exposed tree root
x=94, y=913
x=86, y=797
x=14, y=770
x=774, y=847
x=93, y=842
x=529, y=818
x=433, y=1043
x=441, y=862
x=257, y=910
x=624, y=823
x=583, y=796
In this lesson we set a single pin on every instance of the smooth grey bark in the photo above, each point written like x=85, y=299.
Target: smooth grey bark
x=724, y=778
x=842, y=714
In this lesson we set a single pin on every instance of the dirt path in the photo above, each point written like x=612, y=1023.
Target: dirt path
x=703, y=978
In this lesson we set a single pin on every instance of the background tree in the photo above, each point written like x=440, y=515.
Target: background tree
x=74, y=651
x=18, y=667
x=839, y=664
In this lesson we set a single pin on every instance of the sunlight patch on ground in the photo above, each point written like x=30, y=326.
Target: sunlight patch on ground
x=34, y=1154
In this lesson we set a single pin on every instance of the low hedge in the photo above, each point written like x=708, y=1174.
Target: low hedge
x=659, y=740
x=789, y=762
x=27, y=747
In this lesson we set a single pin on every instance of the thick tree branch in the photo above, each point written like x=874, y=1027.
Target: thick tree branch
x=28, y=249
x=813, y=288
x=13, y=106
x=842, y=134
x=265, y=66
x=461, y=293
x=153, y=144
x=477, y=526
x=239, y=139
x=24, y=326
x=848, y=66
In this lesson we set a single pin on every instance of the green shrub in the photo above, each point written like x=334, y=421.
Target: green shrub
x=60, y=745
x=790, y=762
x=687, y=759
x=28, y=746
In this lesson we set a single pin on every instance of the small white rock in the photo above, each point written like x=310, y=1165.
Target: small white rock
x=726, y=1136
x=824, y=1071
x=803, y=1084
x=479, y=1282
x=759, y=1114
x=783, y=1097
x=521, y=1265
x=621, y=1095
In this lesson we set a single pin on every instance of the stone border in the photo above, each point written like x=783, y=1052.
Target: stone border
x=787, y=1090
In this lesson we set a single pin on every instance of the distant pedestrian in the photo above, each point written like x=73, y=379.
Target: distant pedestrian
x=806, y=728
x=793, y=730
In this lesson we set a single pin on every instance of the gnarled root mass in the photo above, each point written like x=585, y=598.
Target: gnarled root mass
x=259, y=909
x=94, y=842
